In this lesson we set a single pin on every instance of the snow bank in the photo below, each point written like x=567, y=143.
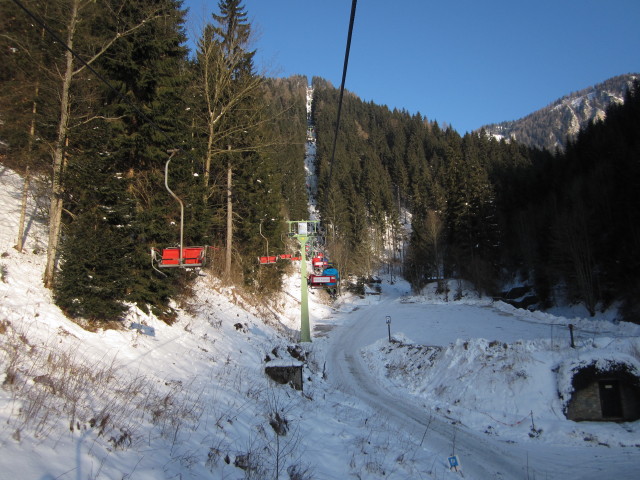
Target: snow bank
x=518, y=390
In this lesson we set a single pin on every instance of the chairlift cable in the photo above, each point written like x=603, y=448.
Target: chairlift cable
x=344, y=76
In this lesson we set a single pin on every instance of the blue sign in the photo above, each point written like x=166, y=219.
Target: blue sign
x=453, y=461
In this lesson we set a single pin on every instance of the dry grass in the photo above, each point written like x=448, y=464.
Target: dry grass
x=51, y=386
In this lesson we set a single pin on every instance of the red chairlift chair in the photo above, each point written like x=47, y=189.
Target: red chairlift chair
x=181, y=256
x=191, y=257
x=321, y=281
x=317, y=262
x=266, y=260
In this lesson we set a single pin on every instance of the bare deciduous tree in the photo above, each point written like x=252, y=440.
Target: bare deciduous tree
x=231, y=93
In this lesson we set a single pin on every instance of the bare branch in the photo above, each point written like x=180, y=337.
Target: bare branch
x=152, y=16
x=96, y=117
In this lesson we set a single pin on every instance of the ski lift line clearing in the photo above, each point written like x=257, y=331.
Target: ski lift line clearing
x=181, y=256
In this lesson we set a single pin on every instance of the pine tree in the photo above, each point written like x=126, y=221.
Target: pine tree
x=114, y=175
x=95, y=250
x=79, y=23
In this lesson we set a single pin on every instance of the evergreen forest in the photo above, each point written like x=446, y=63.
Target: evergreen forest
x=97, y=97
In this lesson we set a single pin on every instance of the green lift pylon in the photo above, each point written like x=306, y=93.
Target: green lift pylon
x=302, y=231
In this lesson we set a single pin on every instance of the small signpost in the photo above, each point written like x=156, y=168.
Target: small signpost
x=388, y=320
x=454, y=463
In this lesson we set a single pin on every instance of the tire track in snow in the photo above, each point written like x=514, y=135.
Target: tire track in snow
x=481, y=458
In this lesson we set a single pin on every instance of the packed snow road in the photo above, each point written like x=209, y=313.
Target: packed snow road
x=482, y=456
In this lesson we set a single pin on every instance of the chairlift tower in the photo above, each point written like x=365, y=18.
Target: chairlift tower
x=302, y=231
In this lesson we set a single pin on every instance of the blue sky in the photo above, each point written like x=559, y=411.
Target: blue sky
x=466, y=63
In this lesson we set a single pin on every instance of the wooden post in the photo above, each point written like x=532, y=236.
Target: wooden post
x=573, y=345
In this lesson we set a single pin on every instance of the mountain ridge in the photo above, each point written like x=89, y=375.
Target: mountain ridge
x=551, y=126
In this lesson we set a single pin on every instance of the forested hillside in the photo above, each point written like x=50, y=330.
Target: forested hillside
x=486, y=210
x=456, y=189
x=95, y=125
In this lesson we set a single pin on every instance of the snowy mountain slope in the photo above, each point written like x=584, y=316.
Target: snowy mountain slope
x=550, y=126
x=152, y=401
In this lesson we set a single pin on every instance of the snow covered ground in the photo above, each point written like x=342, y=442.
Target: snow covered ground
x=487, y=377
x=150, y=401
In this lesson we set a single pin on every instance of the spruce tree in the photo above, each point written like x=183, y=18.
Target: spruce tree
x=285, y=135
x=25, y=99
x=114, y=186
x=150, y=69
x=96, y=249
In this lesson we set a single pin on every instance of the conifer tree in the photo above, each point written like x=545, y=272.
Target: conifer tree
x=74, y=21
x=24, y=58
x=149, y=69
x=114, y=173
x=96, y=249
x=285, y=100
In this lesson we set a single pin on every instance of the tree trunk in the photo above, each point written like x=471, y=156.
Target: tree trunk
x=55, y=208
x=229, y=243
x=27, y=175
x=23, y=211
x=208, y=157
